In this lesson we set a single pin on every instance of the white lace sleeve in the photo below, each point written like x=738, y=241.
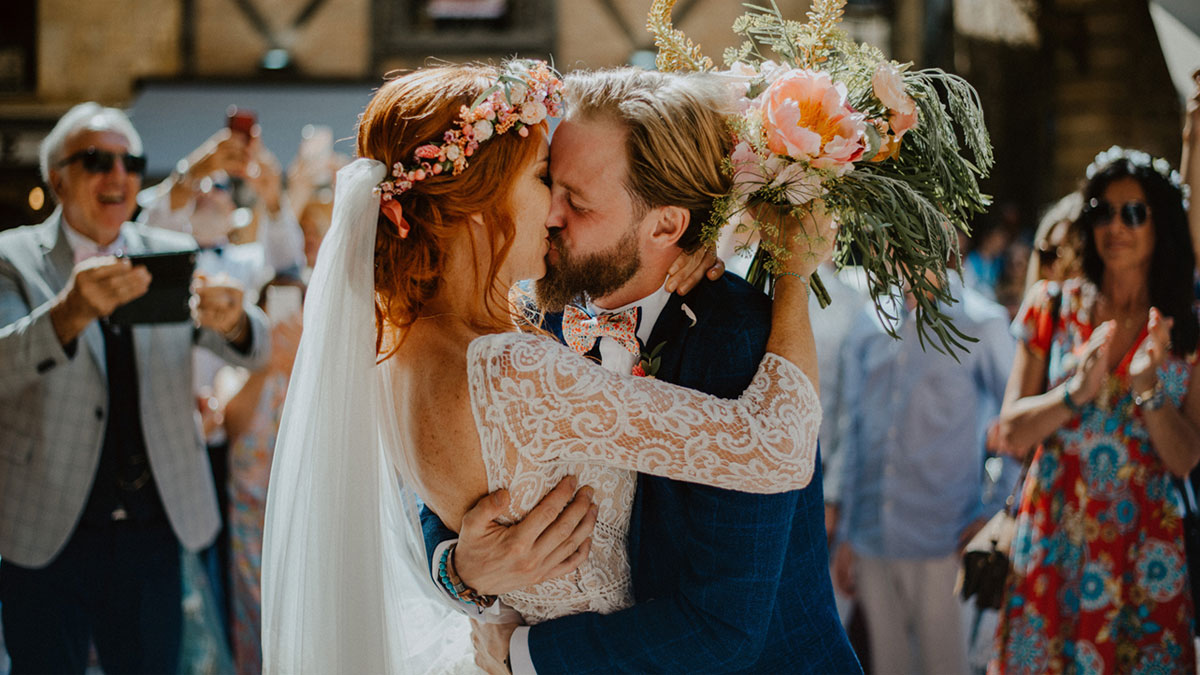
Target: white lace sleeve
x=552, y=405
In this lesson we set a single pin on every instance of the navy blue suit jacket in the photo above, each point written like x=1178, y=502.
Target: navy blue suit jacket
x=723, y=581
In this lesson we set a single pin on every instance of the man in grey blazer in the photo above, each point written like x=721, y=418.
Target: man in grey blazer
x=103, y=473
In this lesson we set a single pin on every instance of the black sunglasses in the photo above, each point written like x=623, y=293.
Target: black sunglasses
x=94, y=160
x=1099, y=212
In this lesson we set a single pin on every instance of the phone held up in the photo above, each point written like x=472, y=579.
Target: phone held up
x=169, y=294
x=241, y=121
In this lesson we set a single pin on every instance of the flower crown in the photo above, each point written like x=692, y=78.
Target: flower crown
x=1140, y=159
x=525, y=94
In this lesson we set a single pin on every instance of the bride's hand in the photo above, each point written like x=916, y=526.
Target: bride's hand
x=491, y=646
x=689, y=268
x=810, y=239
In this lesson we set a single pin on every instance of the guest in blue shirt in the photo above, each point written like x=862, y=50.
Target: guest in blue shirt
x=912, y=481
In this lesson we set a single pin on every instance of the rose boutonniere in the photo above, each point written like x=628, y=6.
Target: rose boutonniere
x=649, y=363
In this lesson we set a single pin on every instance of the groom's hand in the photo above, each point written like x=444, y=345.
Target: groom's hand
x=552, y=540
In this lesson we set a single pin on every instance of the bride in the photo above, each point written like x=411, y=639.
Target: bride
x=411, y=378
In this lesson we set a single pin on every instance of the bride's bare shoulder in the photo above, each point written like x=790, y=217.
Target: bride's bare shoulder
x=429, y=384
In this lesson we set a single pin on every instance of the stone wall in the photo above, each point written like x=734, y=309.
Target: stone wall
x=97, y=50
x=1112, y=87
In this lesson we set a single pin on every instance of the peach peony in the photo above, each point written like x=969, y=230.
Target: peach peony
x=888, y=84
x=806, y=117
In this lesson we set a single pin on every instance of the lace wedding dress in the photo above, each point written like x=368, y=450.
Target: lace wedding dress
x=543, y=412
x=345, y=581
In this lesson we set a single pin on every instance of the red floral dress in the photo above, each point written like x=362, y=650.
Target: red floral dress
x=1099, y=582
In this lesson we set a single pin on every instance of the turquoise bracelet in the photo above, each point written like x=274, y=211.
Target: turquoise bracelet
x=1074, y=407
x=444, y=575
x=803, y=279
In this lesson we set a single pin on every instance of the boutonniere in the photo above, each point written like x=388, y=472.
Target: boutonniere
x=690, y=314
x=649, y=363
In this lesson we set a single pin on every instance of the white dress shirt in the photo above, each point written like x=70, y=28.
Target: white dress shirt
x=83, y=247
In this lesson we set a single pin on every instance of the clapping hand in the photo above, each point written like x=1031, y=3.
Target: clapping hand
x=1085, y=385
x=1143, y=368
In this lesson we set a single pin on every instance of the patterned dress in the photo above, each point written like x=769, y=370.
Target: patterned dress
x=1099, y=582
x=249, y=468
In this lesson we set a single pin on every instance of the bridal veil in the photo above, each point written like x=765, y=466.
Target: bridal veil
x=345, y=584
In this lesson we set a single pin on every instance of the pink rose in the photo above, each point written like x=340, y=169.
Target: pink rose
x=533, y=112
x=806, y=117
x=888, y=83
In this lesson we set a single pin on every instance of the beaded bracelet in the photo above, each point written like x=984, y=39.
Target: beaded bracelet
x=455, y=585
x=444, y=575
x=803, y=279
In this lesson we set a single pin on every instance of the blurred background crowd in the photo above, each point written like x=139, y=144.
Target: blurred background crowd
x=246, y=109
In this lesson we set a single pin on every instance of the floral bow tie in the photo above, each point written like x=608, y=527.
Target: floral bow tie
x=580, y=330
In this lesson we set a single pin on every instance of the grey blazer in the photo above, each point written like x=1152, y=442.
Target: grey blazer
x=53, y=407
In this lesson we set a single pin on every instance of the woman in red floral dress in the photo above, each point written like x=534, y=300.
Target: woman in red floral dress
x=1099, y=580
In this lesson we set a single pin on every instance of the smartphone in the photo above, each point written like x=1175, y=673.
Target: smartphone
x=170, y=290
x=241, y=120
x=283, y=302
x=316, y=151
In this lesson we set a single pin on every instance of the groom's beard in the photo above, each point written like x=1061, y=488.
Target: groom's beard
x=574, y=278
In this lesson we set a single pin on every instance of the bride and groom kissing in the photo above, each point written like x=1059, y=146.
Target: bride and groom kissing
x=712, y=556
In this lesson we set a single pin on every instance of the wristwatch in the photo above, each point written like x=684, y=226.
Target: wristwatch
x=1151, y=399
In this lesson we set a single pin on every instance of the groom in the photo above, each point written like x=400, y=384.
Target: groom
x=723, y=581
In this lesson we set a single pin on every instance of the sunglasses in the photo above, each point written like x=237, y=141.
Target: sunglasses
x=1099, y=212
x=94, y=160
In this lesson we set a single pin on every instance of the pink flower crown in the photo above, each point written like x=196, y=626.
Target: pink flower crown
x=525, y=94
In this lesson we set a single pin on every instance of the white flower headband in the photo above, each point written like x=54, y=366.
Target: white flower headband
x=1141, y=160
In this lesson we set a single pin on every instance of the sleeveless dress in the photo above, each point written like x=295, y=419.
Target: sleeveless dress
x=1099, y=580
x=544, y=412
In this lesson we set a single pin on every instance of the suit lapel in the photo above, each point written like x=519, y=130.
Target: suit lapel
x=59, y=261
x=670, y=330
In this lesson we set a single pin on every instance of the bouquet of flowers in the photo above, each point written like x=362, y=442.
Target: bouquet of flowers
x=825, y=123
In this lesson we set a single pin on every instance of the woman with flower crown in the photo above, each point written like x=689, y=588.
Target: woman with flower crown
x=1101, y=394
x=411, y=379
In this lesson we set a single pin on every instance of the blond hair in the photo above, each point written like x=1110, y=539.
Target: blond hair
x=676, y=135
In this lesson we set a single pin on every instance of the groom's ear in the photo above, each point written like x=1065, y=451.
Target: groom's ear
x=669, y=225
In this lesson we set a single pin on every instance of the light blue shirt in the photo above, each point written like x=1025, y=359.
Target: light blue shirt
x=912, y=442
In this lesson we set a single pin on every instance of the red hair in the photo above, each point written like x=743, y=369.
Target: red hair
x=412, y=110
